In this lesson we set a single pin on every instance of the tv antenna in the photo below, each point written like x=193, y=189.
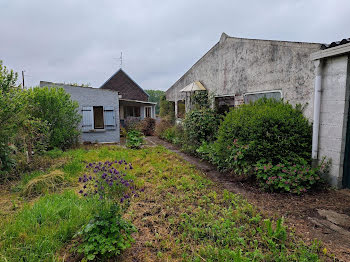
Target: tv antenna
x=121, y=59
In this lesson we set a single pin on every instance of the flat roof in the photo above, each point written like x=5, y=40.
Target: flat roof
x=137, y=101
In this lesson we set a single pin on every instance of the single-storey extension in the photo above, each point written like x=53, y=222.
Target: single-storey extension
x=99, y=109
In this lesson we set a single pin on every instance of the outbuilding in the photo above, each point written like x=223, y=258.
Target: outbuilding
x=238, y=70
x=99, y=109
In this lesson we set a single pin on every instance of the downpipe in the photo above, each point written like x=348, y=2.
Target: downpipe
x=317, y=109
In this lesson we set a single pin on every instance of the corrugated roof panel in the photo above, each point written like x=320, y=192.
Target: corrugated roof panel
x=337, y=43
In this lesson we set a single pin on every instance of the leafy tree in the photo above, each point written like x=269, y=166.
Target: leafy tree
x=8, y=78
x=167, y=109
x=11, y=115
x=55, y=106
x=155, y=96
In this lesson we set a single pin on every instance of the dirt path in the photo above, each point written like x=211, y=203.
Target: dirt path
x=322, y=215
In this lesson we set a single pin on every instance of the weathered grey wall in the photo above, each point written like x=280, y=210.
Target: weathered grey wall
x=334, y=113
x=87, y=96
x=237, y=66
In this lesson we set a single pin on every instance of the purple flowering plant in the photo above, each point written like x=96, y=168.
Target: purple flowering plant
x=109, y=181
x=288, y=177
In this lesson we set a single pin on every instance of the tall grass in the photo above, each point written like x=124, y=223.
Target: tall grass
x=38, y=231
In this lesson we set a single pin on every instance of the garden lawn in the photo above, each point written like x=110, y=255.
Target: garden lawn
x=181, y=216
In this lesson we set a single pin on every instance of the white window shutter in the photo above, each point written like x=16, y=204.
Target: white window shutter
x=109, y=117
x=88, y=119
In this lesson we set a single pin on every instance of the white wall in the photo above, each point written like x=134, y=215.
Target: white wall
x=333, y=116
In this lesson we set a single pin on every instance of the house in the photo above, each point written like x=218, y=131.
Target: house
x=133, y=100
x=239, y=70
x=99, y=109
x=331, y=127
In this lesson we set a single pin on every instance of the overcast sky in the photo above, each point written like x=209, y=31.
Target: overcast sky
x=80, y=41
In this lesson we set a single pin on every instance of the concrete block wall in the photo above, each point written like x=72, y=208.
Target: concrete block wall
x=235, y=66
x=87, y=96
x=333, y=115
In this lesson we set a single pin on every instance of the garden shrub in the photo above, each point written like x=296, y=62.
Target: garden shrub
x=287, y=177
x=11, y=117
x=200, y=125
x=134, y=139
x=167, y=109
x=268, y=140
x=173, y=134
x=106, y=235
x=55, y=106
x=123, y=132
x=131, y=123
x=274, y=130
x=200, y=100
x=147, y=126
x=161, y=126
x=236, y=160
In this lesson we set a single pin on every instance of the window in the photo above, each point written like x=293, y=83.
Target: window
x=252, y=97
x=133, y=111
x=148, y=111
x=98, y=117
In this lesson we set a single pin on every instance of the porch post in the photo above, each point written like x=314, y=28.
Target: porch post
x=176, y=109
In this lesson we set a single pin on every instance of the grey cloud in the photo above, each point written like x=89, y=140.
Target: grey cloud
x=80, y=41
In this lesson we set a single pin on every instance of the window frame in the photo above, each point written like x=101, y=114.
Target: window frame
x=263, y=92
x=150, y=111
x=103, y=120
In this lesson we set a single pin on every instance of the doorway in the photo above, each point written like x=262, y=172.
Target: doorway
x=346, y=172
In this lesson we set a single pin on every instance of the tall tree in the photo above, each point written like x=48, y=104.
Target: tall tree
x=154, y=96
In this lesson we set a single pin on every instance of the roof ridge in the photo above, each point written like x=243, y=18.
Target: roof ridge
x=121, y=70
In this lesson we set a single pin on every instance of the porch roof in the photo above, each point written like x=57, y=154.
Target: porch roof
x=137, y=101
x=195, y=86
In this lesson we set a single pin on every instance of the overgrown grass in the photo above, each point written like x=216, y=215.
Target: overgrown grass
x=182, y=216
x=37, y=232
x=185, y=217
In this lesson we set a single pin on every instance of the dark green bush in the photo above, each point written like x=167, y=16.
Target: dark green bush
x=55, y=106
x=274, y=130
x=200, y=125
x=200, y=100
x=236, y=160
